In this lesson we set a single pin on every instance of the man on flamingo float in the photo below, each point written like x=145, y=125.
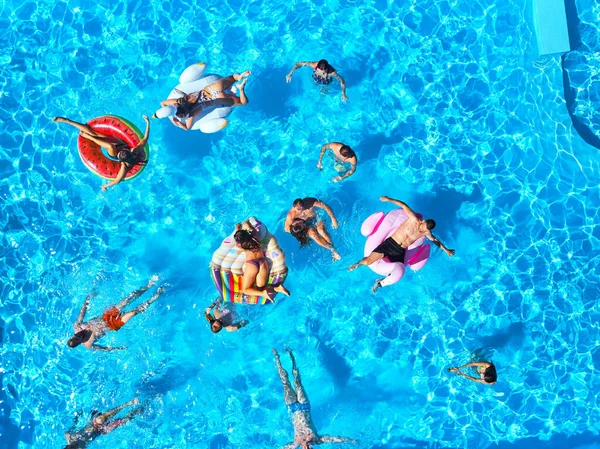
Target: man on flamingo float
x=394, y=247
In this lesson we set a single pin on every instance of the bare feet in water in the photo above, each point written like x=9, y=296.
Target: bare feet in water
x=335, y=255
x=377, y=285
x=241, y=76
x=282, y=289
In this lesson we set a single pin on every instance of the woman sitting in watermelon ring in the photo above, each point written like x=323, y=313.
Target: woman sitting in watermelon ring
x=114, y=146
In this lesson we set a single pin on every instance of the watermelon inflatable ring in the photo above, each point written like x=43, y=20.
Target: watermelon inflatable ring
x=96, y=161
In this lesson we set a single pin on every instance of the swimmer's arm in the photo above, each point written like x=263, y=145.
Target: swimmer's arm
x=343, y=84
x=83, y=310
x=332, y=439
x=212, y=306
x=236, y=326
x=440, y=245
x=170, y=102
x=288, y=223
x=323, y=151
x=326, y=208
x=112, y=412
x=403, y=205
x=179, y=124
x=144, y=139
x=297, y=66
x=119, y=177
x=482, y=364
x=188, y=123
x=107, y=348
x=474, y=379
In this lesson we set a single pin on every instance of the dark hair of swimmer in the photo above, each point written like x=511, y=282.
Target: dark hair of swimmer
x=78, y=338
x=430, y=224
x=346, y=151
x=325, y=66
x=130, y=157
x=489, y=375
x=246, y=241
x=298, y=202
x=215, y=324
x=299, y=229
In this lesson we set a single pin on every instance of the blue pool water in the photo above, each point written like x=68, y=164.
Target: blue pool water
x=449, y=110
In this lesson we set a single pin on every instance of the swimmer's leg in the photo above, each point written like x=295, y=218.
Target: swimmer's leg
x=315, y=235
x=84, y=128
x=107, y=142
x=300, y=393
x=323, y=232
x=289, y=395
x=112, y=425
x=143, y=306
x=227, y=82
x=371, y=258
x=135, y=294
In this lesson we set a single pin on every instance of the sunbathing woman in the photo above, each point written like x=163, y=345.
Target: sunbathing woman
x=256, y=268
x=115, y=147
x=189, y=106
x=323, y=74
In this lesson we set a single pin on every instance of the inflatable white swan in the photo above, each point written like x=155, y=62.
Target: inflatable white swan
x=193, y=80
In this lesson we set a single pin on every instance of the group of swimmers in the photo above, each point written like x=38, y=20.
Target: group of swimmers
x=302, y=222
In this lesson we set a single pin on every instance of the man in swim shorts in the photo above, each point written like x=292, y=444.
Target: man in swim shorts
x=100, y=425
x=223, y=318
x=343, y=155
x=305, y=434
x=300, y=222
x=394, y=247
x=113, y=318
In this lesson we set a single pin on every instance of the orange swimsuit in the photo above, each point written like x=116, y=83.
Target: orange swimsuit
x=112, y=318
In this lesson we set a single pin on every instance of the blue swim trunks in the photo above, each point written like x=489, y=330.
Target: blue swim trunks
x=298, y=407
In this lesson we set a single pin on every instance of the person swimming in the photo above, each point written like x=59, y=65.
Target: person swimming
x=113, y=318
x=189, y=106
x=323, y=74
x=115, y=147
x=223, y=318
x=341, y=153
x=300, y=222
x=100, y=424
x=485, y=370
x=298, y=405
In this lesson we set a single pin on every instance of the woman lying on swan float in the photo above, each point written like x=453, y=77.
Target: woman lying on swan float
x=201, y=102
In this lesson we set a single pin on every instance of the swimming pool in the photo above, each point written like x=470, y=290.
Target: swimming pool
x=448, y=111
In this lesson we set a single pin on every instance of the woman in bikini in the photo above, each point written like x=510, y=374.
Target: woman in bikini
x=189, y=106
x=323, y=74
x=256, y=268
x=115, y=147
